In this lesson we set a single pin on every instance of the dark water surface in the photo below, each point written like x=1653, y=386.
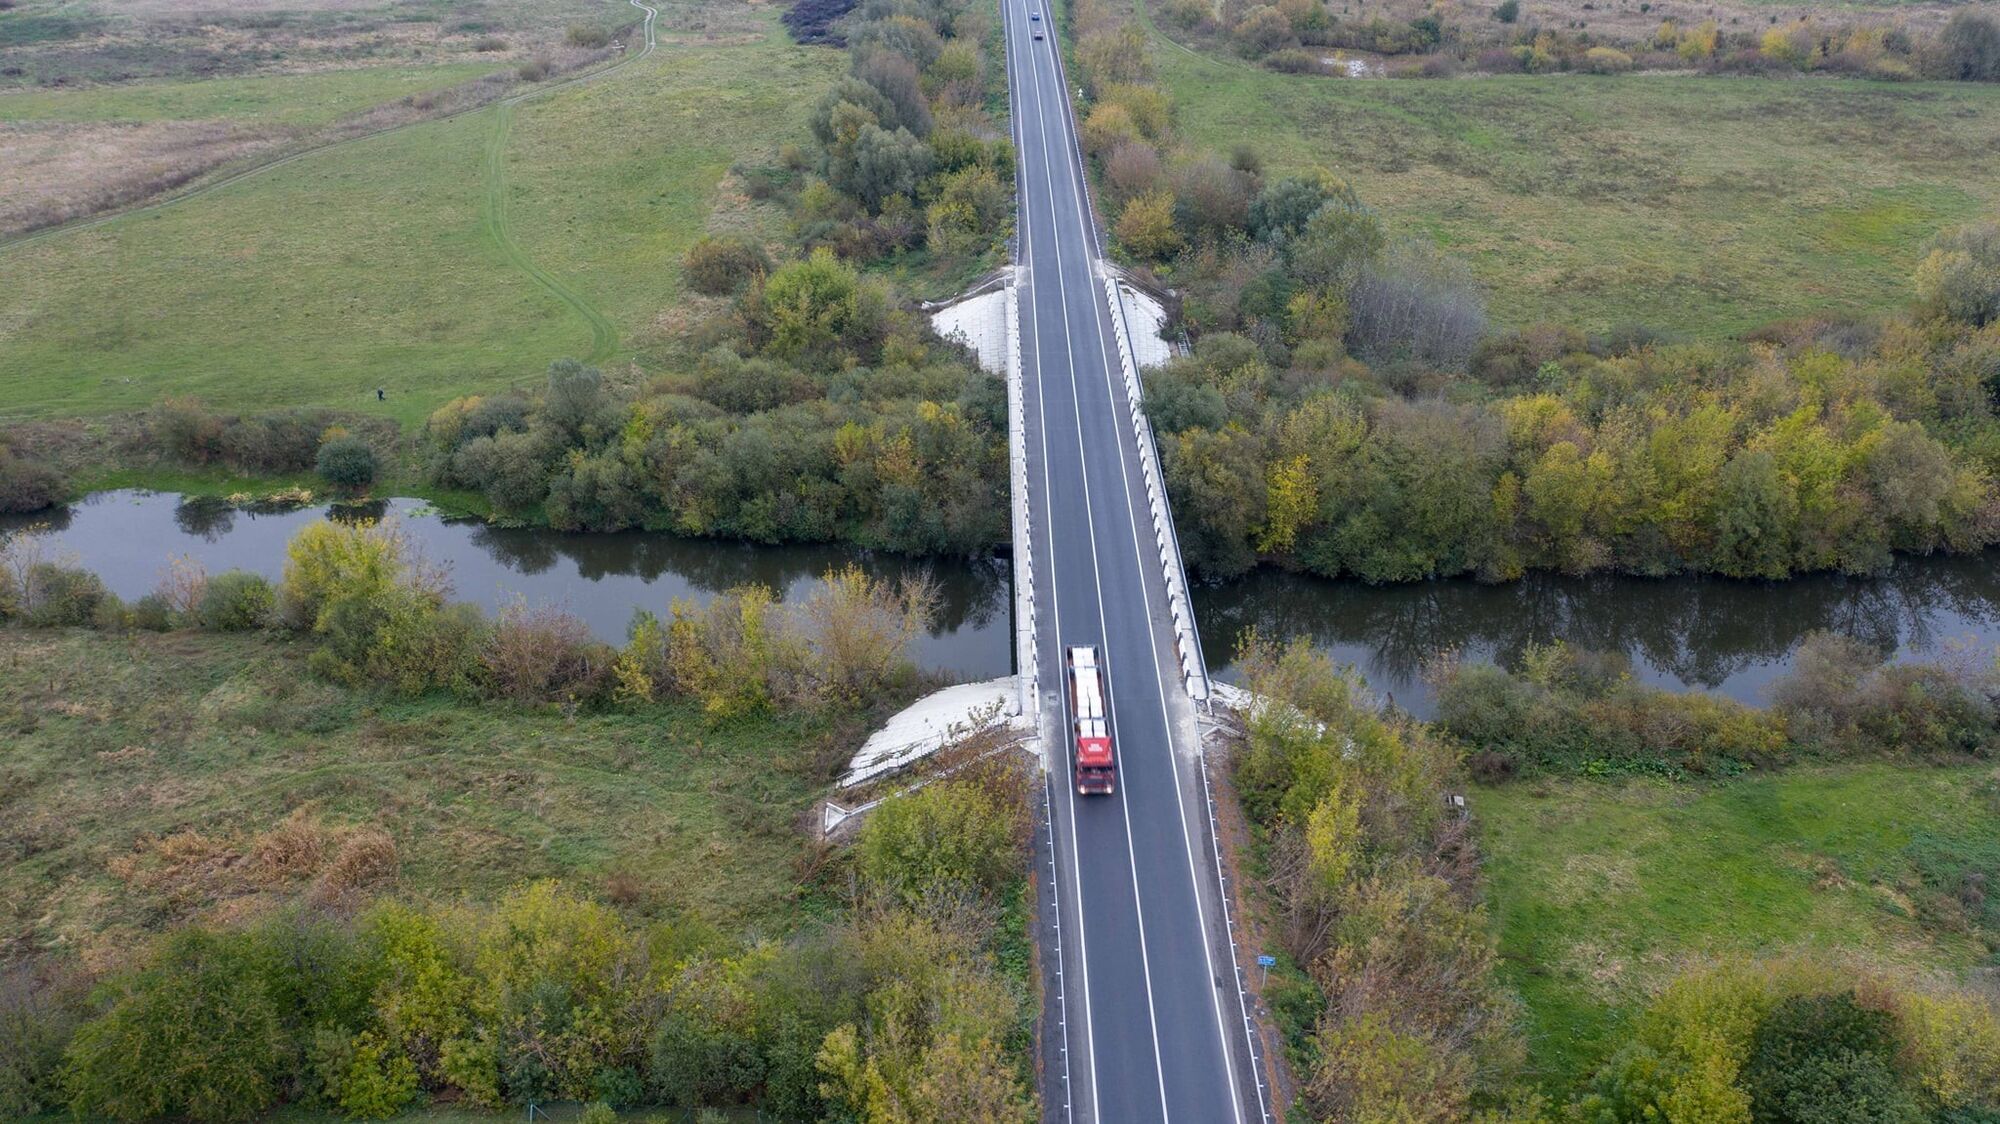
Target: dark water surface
x=1732, y=637
x=127, y=538
x=1716, y=634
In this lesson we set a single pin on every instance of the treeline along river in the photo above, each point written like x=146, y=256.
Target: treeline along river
x=1733, y=637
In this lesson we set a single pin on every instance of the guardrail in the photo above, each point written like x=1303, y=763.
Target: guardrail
x=1029, y=670
x=1187, y=638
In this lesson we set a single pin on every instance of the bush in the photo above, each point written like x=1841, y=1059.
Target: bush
x=1960, y=278
x=194, y=1033
x=1606, y=60
x=348, y=463
x=237, y=601
x=534, y=70
x=57, y=596
x=1508, y=11
x=152, y=613
x=958, y=838
x=545, y=655
x=27, y=485
x=718, y=265
x=591, y=38
x=40, y=1006
x=1825, y=1059
x=1969, y=47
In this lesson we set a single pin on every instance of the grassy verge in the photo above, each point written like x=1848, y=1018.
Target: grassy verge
x=1600, y=890
x=141, y=770
x=381, y=263
x=1699, y=205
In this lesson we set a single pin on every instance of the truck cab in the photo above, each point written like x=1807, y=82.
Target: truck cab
x=1090, y=721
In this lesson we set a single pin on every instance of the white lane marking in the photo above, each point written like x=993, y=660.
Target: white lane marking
x=1075, y=172
x=1069, y=349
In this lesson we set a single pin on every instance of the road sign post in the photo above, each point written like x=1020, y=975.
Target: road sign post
x=1264, y=964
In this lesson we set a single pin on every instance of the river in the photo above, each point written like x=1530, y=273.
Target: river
x=1732, y=637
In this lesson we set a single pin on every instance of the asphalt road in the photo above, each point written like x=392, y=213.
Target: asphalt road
x=1148, y=1022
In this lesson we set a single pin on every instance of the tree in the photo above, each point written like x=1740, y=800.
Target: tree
x=884, y=164
x=348, y=463
x=192, y=1034
x=1333, y=245
x=814, y=307
x=1146, y=226
x=1508, y=11
x=1280, y=211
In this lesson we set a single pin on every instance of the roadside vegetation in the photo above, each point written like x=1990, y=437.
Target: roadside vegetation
x=379, y=849
x=1789, y=947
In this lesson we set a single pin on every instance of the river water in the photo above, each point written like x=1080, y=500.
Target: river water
x=1732, y=637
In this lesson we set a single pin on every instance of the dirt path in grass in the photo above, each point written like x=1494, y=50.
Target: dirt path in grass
x=603, y=335
x=651, y=41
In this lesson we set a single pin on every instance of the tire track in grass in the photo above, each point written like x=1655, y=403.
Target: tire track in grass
x=493, y=217
x=89, y=222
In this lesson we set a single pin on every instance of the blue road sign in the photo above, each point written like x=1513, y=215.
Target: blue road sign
x=1267, y=961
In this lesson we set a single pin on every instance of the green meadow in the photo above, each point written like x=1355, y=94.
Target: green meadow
x=1704, y=206
x=443, y=259
x=1599, y=890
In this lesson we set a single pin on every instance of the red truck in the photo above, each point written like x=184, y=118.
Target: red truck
x=1090, y=718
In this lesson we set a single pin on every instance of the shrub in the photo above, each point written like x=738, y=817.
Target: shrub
x=1825, y=1059
x=40, y=1006
x=237, y=601
x=363, y=1074
x=718, y=265
x=1606, y=60
x=192, y=1034
x=1960, y=278
x=1262, y=30
x=545, y=655
x=1508, y=11
x=1294, y=60
x=1969, y=47
x=534, y=70
x=151, y=613
x=58, y=596
x=184, y=430
x=348, y=463
x=488, y=43
x=1146, y=227
x=27, y=485
x=583, y=35
x=953, y=838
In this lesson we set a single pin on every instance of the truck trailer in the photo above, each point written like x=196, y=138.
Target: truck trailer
x=1090, y=721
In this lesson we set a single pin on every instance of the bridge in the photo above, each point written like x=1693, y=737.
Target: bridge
x=1146, y=1015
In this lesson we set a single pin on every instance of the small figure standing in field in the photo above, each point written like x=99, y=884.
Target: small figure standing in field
x=380, y=396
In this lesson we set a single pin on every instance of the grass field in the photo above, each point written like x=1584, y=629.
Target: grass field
x=313, y=98
x=397, y=261
x=1703, y=206
x=1599, y=889
x=140, y=772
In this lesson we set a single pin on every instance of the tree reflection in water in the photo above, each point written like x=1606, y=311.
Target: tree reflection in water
x=1713, y=633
